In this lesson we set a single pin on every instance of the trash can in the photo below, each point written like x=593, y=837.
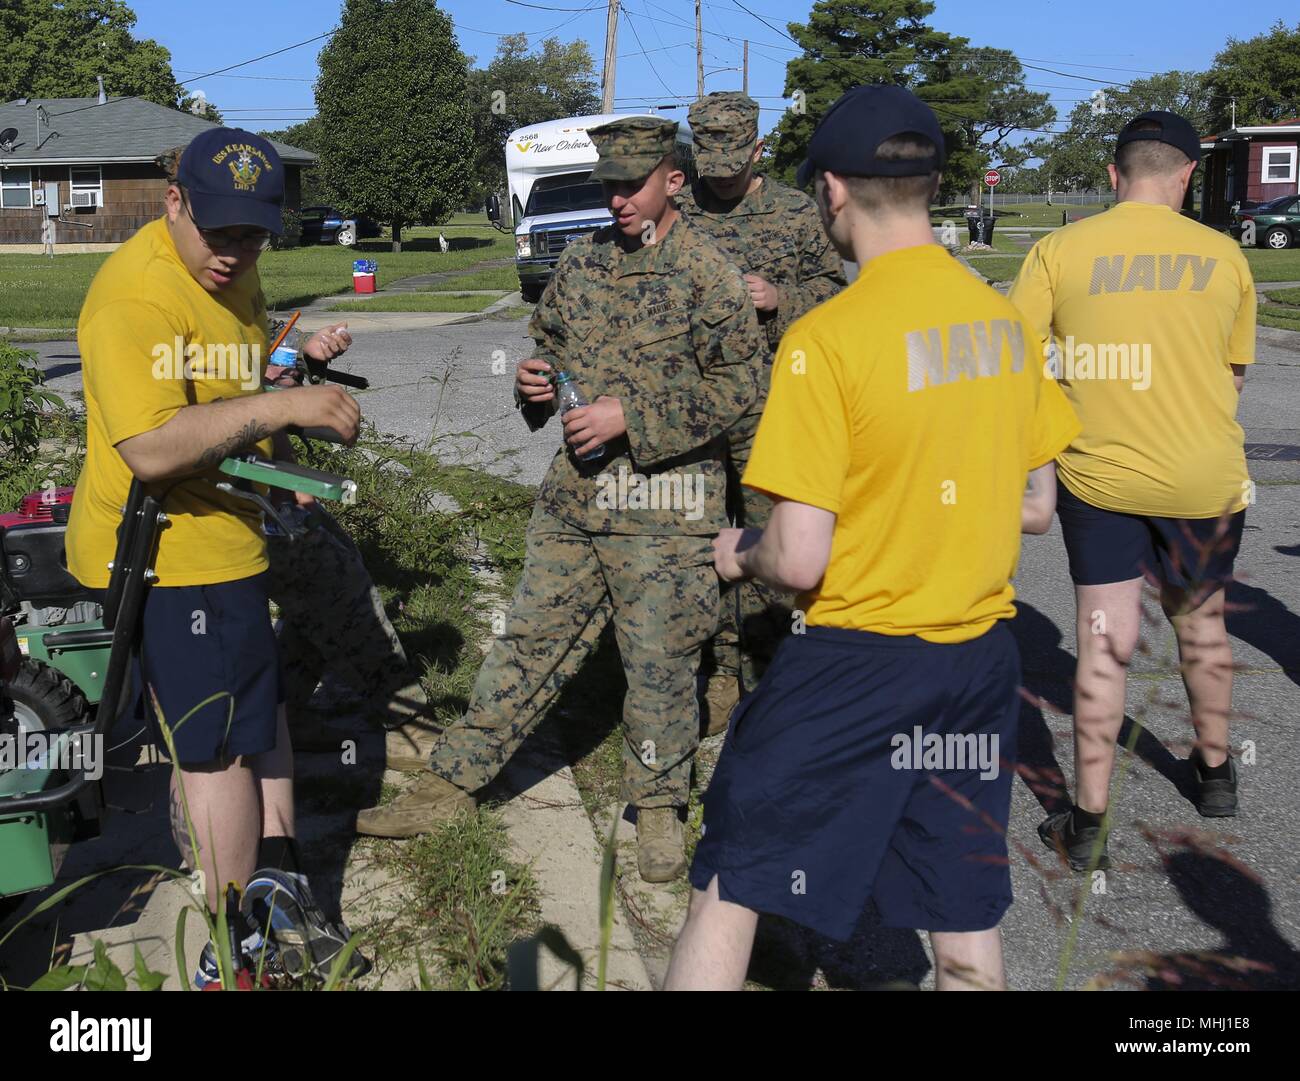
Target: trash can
x=980, y=227
x=363, y=275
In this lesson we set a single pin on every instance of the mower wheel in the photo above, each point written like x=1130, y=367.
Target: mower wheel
x=44, y=698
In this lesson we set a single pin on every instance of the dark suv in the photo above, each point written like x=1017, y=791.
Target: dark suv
x=325, y=225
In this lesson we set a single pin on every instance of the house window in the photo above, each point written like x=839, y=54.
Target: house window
x=87, y=184
x=16, y=188
x=1279, y=164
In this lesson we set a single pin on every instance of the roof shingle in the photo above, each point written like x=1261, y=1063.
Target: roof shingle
x=82, y=131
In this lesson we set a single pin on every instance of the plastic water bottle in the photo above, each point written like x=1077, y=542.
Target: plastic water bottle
x=286, y=353
x=568, y=396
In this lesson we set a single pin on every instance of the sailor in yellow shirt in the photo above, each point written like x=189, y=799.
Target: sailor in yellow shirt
x=905, y=417
x=173, y=338
x=1153, y=317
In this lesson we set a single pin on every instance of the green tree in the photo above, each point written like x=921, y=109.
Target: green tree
x=1262, y=75
x=520, y=87
x=315, y=192
x=55, y=50
x=847, y=43
x=395, y=136
x=202, y=108
x=1078, y=156
x=983, y=94
x=978, y=94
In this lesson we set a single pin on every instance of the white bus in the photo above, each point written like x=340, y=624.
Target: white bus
x=553, y=200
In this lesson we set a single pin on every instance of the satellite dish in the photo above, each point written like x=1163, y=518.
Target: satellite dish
x=7, y=137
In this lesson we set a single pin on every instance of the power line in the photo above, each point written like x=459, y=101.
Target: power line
x=666, y=48
x=632, y=26
x=760, y=18
x=210, y=74
x=269, y=78
x=548, y=7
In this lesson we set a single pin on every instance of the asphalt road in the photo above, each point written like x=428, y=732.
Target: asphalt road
x=1182, y=884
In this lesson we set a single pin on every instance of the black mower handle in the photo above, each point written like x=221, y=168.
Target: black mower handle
x=36, y=802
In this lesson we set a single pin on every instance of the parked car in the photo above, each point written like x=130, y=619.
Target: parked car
x=1277, y=222
x=325, y=225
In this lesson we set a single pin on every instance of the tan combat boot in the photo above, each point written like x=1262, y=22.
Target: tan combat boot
x=431, y=802
x=408, y=748
x=660, y=851
x=720, y=698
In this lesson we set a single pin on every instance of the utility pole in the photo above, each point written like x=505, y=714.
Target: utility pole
x=611, y=59
x=745, y=84
x=699, y=53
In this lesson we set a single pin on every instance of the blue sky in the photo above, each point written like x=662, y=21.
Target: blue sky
x=1090, y=42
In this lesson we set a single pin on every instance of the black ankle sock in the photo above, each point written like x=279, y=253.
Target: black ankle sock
x=1222, y=772
x=280, y=853
x=1081, y=819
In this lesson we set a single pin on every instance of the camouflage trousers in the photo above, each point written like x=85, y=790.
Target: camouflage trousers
x=754, y=616
x=661, y=593
x=333, y=616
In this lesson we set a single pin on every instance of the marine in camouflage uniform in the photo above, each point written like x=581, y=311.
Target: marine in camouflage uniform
x=668, y=330
x=332, y=617
x=773, y=233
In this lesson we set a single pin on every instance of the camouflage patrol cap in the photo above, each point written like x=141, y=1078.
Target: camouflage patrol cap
x=631, y=147
x=724, y=126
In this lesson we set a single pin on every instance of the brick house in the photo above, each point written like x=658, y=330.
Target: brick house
x=1248, y=164
x=99, y=153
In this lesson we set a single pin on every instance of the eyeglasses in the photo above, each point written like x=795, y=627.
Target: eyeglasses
x=220, y=240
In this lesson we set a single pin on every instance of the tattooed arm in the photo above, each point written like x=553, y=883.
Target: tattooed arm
x=197, y=437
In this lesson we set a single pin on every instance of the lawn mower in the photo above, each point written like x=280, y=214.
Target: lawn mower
x=68, y=680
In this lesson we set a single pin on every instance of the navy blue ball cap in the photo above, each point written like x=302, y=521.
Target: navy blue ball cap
x=1170, y=129
x=233, y=177
x=852, y=130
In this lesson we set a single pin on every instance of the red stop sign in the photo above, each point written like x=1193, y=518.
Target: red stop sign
x=992, y=178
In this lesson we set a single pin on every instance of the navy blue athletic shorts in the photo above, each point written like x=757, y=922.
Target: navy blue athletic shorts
x=869, y=766
x=1195, y=555
x=201, y=641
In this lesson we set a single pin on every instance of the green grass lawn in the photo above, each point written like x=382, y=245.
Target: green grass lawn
x=1035, y=214
x=1274, y=266
x=294, y=277
x=1040, y=214
x=1282, y=311
x=996, y=268
x=419, y=302
x=37, y=291
x=505, y=278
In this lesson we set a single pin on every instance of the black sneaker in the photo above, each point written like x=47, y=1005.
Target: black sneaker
x=1216, y=797
x=307, y=942
x=1058, y=833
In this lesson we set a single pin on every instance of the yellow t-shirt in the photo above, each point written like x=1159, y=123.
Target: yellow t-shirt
x=152, y=342
x=1148, y=309
x=913, y=406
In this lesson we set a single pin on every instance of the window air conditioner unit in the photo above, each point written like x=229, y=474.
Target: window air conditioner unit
x=85, y=198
